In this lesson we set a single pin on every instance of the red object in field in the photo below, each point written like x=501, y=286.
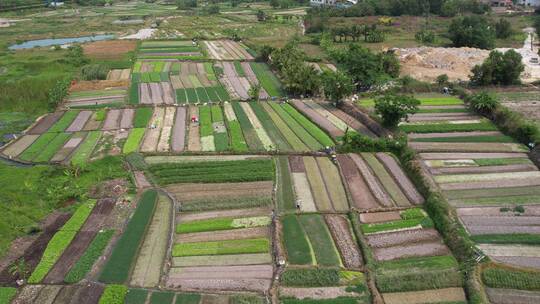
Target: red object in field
x=194, y=119
x=73, y=82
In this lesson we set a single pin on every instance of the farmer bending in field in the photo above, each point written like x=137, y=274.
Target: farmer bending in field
x=194, y=119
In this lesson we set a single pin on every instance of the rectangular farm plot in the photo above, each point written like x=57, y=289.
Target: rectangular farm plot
x=373, y=184
x=112, y=96
x=196, y=82
x=238, y=81
x=213, y=252
x=171, y=49
x=318, y=185
x=147, y=270
x=226, y=50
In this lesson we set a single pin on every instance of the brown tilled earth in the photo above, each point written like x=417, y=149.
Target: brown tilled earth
x=110, y=49
x=234, y=234
x=377, y=217
x=315, y=292
x=341, y=232
x=196, y=192
x=412, y=250
x=380, y=240
x=512, y=296
x=361, y=195
x=184, y=217
x=45, y=123
x=297, y=164
x=95, y=85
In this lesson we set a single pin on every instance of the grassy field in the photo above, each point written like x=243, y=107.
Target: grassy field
x=499, y=277
x=222, y=247
x=296, y=243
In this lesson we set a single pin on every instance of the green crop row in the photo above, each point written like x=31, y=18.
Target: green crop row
x=84, y=151
x=267, y=79
x=296, y=243
x=458, y=139
x=326, y=253
x=312, y=128
x=60, y=241
x=205, y=117
x=222, y=224
x=161, y=297
x=419, y=280
x=64, y=121
x=448, y=127
x=269, y=126
x=252, y=140
x=394, y=225
x=311, y=277
x=90, y=256
x=233, y=203
x=113, y=294
x=281, y=126
x=221, y=139
x=133, y=140
x=142, y=117
x=136, y=296
x=502, y=161
x=496, y=277
x=260, y=245
x=238, y=143
x=297, y=128
x=50, y=150
x=285, y=195
x=124, y=253
x=513, y=238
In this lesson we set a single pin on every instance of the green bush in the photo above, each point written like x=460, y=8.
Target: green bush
x=393, y=108
x=90, y=256
x=310, y=277
x=94, y=72
x=124, y=254
x=113, y=294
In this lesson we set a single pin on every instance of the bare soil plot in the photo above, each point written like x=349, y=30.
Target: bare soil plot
x=92, y=123
x=512, y=296
x=223, y=213
x=376, y=188
x=345, y=242
x=168, y=122
x=151, y=137
x=79, y=121
x=410, y=250
x=378, y=217
x=112, y=121
x=110, y=49
x=318, y=293
x=381, y=240
x=147, y=270
x=156, y=93
x=178, y=139
x=119, y=74
x=226, y=50
x=145, y=96
x=429, y=117
x=223, y=272
x=28, y=294
x=484, y=169
x=304, y=197
x=89, y=293
x=235, y=234
x=318, y=119
x=48, y=294
x=447, y=295
x=99, y=85
x=67, y=293
x=472, y=155
x=223, y=260
x=250, y=75
x=196, y=192
x=491, y=184
x=477, y=225
x=519, y=261
x=16, y=148
x=234, y=83
x=259, y=285
x=45, y=122
x=510, y=250
x=496, y=211
x=32, y=253
x=471, y=147
x=194, y=140
x=127, y=119
x=140, y=180
x=200, y=158
x=453, y=134
x=362, y=197
x=400, y=178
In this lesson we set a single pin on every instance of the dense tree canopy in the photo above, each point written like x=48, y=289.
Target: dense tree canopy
x=498, y=69
x=472, y=31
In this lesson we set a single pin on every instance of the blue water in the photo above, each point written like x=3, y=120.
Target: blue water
x=60, y=41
